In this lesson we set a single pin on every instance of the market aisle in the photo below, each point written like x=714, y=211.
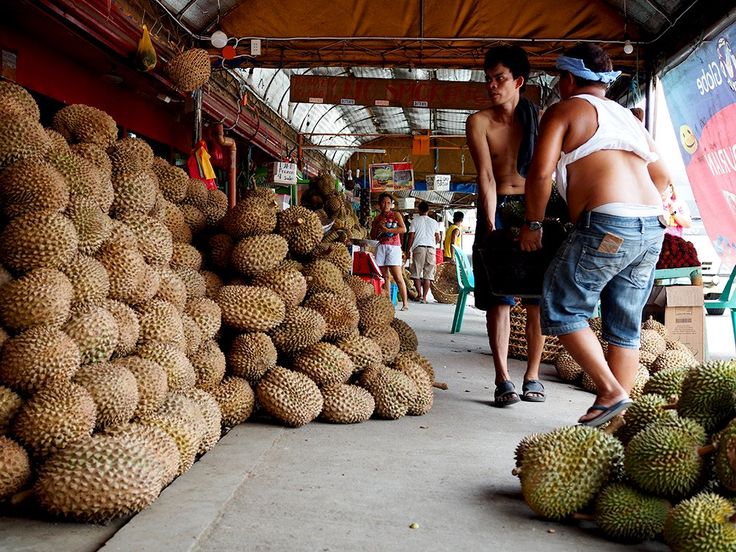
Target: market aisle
x=328, y=487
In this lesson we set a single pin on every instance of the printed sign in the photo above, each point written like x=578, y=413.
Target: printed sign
x=701, y=95
x=438, y=182
x=390, y=177
x=284, y=173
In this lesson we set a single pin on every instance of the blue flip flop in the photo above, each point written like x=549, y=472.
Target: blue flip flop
x=607, y=412
x=533, y=391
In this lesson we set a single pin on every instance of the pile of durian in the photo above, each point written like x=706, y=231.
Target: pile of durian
x=666, y=469
x=333, y=207
x=124, y=351
x=657, y=352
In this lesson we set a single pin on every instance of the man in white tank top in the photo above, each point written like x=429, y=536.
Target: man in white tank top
x=609, y=173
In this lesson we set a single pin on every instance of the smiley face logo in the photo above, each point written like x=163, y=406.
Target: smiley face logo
x=688, y=139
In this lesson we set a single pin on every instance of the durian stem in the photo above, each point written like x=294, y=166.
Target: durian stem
x=617, y=423
x=672, y=406
x=732, y=519
x=583, y=517
x=22, y=496
x=707, y=449
x=516, y=472
x=439, y=385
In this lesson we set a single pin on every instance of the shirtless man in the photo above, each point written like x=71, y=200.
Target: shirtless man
x=494, y=136
x=609, y=173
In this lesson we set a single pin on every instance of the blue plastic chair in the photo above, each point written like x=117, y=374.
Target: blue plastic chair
x=465, y=284
x=727, y=300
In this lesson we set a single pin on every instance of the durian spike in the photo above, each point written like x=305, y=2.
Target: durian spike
x=439, y=385
x=707, y=449
x=21, y=497
x=614, y=425
x=516, y=472
x=299, y=221
x=583, y=517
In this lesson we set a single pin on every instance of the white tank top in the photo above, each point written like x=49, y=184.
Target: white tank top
x=618, y=129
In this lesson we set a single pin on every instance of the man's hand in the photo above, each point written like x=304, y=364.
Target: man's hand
x=530, y=240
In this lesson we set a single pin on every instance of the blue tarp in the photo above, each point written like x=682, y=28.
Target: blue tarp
x=462, y=187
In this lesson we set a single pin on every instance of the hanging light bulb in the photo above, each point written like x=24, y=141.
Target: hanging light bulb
x=628, y=47
x=218, y=39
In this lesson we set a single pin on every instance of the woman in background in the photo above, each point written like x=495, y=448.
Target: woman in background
x=386, y=228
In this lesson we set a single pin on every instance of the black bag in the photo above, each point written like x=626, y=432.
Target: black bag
x=512, y=271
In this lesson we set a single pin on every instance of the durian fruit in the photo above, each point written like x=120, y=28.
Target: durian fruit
x=180, y=373
x=128, y=326
x=89, y=280
x=419, y=359
x=290, y=285
x=197, y=193
x=387, y=339
x=290, y=397
x=192, y=335
x=21, y=99
x=183, y=408
x=300, y=328
x=725, y=459
x=708, y=394
x=236, y=399
x=673, y=359
x=251, y=355
x=161, y=444
x=5, y=276
x=206, y=313
x=186, y=255
x=363, y=351
x=665, y=457
x=652, y=324
x=346, y=404
x=83, y=123
x=587, y=383
x=625, y=513
x=15, y=467
x=95, y=331
x=673, y=344
x=563, y=470
x=376, y=312
x=21, y=137
x=99, y=479
x=220, y=247
x=647, y=358
x=213, y=283
x=193, y=281
x=130, y=154
x=212, y=415
x=160, y=322
x=642, y=376
x=38, y=358
x=135, y=192
x=250, y=308
x=522, y=447
x=252, y=216
x=194, y=218
x=646, y=409
x=114, y=390
x=209, y=365
x=301, y=228
x=186, y=436
x=361, y=288
x=324, y=363
x=31, y=185
x=125, y=268
x=666, y=382
x=424, y=398
x=58, y=145
x=171, y=288
x=10, y=402
x=154, y=239
x=704, y=522
x=172, y=181
x=44, y=239
x=54, y=418
x=190, y=69
x=83, y=178
x=653, y=342
x=93, y=226
x=95, y=155
x=407, y=335
x=393, y=391
x=257, y=254
x=173, y=217
x=147, y=287
x=323, y=276
x=216, y=207
x=567, y=368
x=339, y=312
x=40, y=298
x=336, y=253
x=151, y=383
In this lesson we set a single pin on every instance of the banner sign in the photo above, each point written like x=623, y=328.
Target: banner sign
x=391, y=177
x=701, y=96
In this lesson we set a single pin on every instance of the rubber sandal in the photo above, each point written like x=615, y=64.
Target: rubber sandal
x=404, y=308
x=533, y=391
x=505, y=394
x=606, y=412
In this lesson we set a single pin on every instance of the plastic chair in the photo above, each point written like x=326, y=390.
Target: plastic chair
x=727, y=300
x=465, y=284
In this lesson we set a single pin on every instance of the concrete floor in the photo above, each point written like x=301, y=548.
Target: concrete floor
x=333, y=488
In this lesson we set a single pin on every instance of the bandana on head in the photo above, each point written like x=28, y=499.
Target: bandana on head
x=578, y=68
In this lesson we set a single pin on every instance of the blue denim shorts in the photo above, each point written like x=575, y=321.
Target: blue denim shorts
x=582, y=273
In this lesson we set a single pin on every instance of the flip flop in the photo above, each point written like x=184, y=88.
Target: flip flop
x=533, y=391
x=505, y=394
x=606, y=412
x=404, y=308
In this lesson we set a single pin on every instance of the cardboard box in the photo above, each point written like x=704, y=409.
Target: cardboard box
x=680, y=309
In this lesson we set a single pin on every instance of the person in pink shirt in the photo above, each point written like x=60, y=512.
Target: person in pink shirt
x=676, y=212
x=386, y=228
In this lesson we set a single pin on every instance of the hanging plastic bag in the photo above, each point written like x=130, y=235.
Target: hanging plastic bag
x=200, y=167
x=146, y=55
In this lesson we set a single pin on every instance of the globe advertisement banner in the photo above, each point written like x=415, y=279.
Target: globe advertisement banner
x=701, y=96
